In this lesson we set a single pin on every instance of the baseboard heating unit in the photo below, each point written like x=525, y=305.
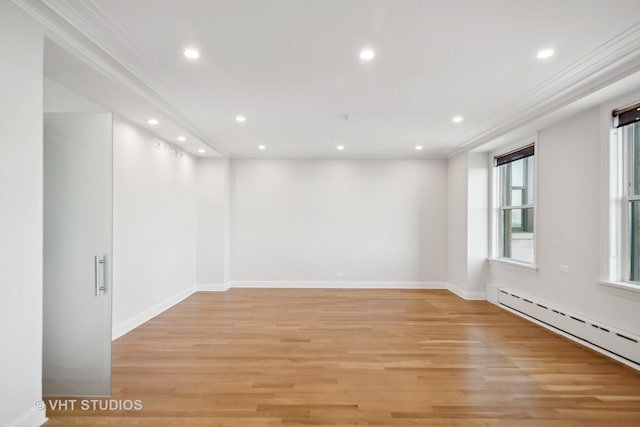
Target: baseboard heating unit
x=618, y=344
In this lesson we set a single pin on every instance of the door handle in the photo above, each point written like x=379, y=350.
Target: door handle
x=99, y=270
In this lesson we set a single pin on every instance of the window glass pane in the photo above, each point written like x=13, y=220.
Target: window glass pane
x=516, y=219
x=530, y=182
x=517, y=182
x=516, y=227
x=517, y=197
x=517, y=173
x=634, y=240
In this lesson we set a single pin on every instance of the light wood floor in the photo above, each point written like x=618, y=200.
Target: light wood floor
x=249, y=358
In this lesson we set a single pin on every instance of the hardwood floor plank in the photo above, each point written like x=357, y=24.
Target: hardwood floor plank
x=312, y=357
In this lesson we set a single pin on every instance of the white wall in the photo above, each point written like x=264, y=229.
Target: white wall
x=60, y=99
x=457, y=191
x=154, y=222
x=477, y=222
x=468, y=224
x=154, y=216
x=569, y=227
x=307, y=220
x=21, y=50
x=212, y=213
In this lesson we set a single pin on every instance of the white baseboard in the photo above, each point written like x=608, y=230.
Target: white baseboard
x=31, y=418
x=572, y=338
x=492, y=293
x=212, y=287
x=137, y=320
x=336, y=284
x=128, y=325
x=464, y=294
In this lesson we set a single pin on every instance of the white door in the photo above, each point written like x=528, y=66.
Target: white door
x=77, y=254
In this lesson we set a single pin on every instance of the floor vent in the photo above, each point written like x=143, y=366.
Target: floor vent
x=605, y=338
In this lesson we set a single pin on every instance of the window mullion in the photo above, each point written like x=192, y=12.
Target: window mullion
x=532, y=206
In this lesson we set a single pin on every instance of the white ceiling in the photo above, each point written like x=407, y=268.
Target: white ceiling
x=64, y=68
x=292, y=67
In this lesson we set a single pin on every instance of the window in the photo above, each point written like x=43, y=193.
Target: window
x=632, y=200
x=627, y=122
x=515, y=208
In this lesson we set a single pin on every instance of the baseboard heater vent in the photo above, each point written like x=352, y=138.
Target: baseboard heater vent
x=605, y=338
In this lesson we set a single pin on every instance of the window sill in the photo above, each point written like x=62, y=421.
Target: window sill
x=520, y=267
x=623, y=289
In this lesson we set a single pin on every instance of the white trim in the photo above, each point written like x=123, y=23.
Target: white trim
x=30, y=418
x=572, y=338
x=608, y=264
x=622, y=198
x=89, y=33
x=336, y=284
x=468, y=295
x=494, y=202
x=212, y=287
x=137, y=320
x=492, y=293
x=228, y=218
x=152, y=312
x=88, y=30
x=623, y=289
x=607, y=63
x=613, y=252
x=514, y=265
x=425, y=156
x=511, y=207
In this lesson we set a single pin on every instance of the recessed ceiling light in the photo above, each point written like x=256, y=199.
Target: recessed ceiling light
x=241, y=119
x=340, y=147
x=191, y=53
x=418, y=147
x=545, y=53
x=367, y=54
x=457, y=119
x=261, y=147
x=153, y=122
x=200, y=150
x=182, y=139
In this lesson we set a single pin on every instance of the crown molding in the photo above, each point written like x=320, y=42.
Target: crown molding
x=338, y=157
x=93, y=22
x=85, y=30
x=611, y=61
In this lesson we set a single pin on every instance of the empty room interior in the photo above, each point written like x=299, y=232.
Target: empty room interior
x=257, y=213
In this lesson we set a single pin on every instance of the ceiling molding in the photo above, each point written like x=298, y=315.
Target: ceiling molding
x=340, y=157
x=93, y=22
x=609, y=62
x=87, y=30
x=76, y=31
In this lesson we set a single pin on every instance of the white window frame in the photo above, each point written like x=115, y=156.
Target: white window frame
x=616, y=165
x=627, y=197
x=496, y=258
